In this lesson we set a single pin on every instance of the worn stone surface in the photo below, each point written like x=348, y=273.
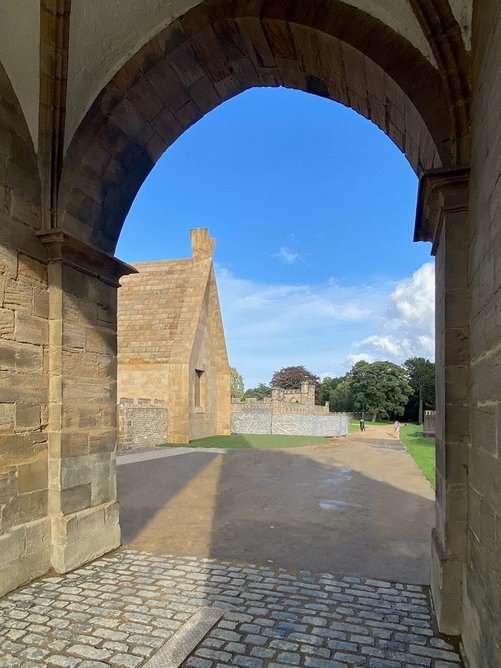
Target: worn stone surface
x=123, y=608
x=24, y=389
x=142, y=423
x=300, y=401
x=481, y=612
x=358, y=505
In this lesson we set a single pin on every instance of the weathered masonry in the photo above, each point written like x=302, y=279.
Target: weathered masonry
x=142, y=423
x=91, y=94
x=300, y=401
x=171, y=346
x=287, y=412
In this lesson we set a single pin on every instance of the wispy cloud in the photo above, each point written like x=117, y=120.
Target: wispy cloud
x=327, y=327
x=286, y=255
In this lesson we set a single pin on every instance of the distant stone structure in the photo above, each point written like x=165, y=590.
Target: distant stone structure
x=299, y=402
x=287, y=412
x=172, y=355
x=429, y=423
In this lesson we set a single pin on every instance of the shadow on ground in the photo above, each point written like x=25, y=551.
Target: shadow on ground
x=314, y=508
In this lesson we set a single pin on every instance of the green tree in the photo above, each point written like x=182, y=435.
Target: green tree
x=421, y=374
x=237, y=384
x=262, y=391
x=327, y=385
x=381, y=388
x=341, y=397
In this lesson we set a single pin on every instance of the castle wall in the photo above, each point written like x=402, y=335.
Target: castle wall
x=295, y=402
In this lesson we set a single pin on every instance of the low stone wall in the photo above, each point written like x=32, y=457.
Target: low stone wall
x=335, y=424
x=141, y=424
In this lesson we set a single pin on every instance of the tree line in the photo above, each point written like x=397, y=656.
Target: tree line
x=381, y=389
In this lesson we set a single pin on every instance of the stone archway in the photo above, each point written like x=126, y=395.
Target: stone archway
x=214, y=51
x=210, y=54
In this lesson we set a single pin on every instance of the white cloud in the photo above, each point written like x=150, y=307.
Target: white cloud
x=407, y=325
x=326, y=326
x=353, y=358
x=286, y=255
x=414, y=298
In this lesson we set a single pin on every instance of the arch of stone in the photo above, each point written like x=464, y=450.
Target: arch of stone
x=91, y=95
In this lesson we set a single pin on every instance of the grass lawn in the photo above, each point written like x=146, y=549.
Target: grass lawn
x=421, y=449
x=259, y=441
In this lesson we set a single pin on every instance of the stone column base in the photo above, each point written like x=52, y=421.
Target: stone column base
x=25, y=554
x=446, y=588
x=84, y=535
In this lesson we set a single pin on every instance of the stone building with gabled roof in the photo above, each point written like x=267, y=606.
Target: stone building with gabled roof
x=171, y=344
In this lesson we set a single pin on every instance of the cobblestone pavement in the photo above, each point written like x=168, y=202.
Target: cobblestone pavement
x=119, y=610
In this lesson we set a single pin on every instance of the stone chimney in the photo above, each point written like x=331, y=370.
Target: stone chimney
x=202, y=246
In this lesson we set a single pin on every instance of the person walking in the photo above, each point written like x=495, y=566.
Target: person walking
x=362, y=424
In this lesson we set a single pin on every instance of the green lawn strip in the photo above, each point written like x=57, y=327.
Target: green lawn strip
x=421, y=449
x=258, y=441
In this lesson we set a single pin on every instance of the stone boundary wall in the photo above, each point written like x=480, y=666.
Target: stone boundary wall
x=141, y=424
x=269, y=405
x=335, y=424
x=429, y=422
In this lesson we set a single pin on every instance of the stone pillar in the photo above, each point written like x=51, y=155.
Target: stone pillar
x=442, y=218
x=82, y=500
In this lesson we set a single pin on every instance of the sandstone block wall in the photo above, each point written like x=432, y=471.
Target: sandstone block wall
x=141, y=424
x=169, y=331
x=482, y=581
x=24, y=385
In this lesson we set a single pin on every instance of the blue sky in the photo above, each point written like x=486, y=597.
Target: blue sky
x=312, y=207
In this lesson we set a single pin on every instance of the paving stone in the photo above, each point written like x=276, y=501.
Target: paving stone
x=196, y=662
x=215, y=655
x=89, y=652
x=120, y=610
x=61, y=661
x=125, y=661
x=289, y=657
x=252, y=639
